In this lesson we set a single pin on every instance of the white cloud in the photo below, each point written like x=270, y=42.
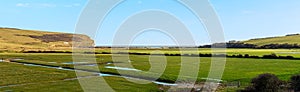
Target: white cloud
x=36, y=5
x=72, y=5
x=22, y=4
x=46, y=5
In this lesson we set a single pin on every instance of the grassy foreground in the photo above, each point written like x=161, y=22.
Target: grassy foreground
x=20, y=78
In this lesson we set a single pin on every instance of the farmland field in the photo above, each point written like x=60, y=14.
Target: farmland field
x=236, y=69
x=229, y=51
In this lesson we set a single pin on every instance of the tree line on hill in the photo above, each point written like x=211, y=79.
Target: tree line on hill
x=251, y=46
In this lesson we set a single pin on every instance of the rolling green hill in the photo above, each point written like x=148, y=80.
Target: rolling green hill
x=289, y=39
x=12, y=39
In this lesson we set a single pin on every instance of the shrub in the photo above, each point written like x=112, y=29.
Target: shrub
x=254, y=56
x=219, y=55
x=106, y=53
x=264, y=83
x=295, y=83
x=205, y=55
x=289, y=57
x=246, y=56
x=240, y=56
x=167, y=54
x=270, y=56
x=177, y=54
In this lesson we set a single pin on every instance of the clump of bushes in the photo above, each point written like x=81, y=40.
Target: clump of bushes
x=205, y=55
x=295, y=83
x=240, y=56
x=264, y=83
x=273, y=55
x=219, y=55
x=286, y=57
x=247, y=56
x=270, y=83
x=243, y=56
x=175, y=55
x=253, y=56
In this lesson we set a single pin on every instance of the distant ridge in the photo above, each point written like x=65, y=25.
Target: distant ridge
x=287, y=39
x=14, y=39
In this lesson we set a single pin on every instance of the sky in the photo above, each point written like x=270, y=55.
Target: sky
x=241, y=19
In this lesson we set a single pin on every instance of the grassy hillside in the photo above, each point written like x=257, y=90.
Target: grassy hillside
x=289, y=39
x=19, y=40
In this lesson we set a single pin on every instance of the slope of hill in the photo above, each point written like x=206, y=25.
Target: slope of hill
x=288, y=39
x=12, y=39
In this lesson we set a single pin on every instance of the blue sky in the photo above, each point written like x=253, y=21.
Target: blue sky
x=241, y=19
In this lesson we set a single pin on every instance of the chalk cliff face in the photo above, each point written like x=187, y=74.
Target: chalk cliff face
x=12, y=39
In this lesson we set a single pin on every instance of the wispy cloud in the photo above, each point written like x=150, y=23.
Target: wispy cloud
x=72, y=5
x=22, y=4
x=46, y=5
x=35, y=5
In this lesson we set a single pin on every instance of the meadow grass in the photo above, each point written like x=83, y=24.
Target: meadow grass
x=236, y=69
x=18, y=74
x=20, y=78
x=116, y=83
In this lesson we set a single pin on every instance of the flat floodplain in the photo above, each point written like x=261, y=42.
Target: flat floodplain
x=19, y=77
x=236, y=69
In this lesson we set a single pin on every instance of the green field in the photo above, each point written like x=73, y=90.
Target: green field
x=292, y=39
x=229, y=51
x=20, y=78
x=236, y=69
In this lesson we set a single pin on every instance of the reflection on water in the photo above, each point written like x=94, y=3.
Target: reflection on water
x=212, y=79
x=60, y=68
x=122, y=68
x=163, y=83
x=90, y=65
x=72, y=63
x=101, y=74
x=104, y=75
